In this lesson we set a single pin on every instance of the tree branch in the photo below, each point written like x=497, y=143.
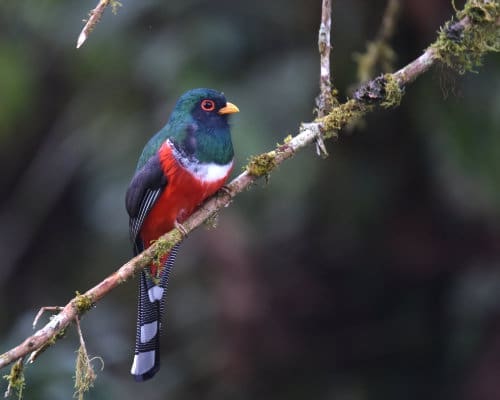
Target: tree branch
x=325, y=100
x=94, y=17
x=459, y=44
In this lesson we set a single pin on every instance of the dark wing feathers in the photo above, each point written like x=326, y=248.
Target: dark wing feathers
x=146, y=186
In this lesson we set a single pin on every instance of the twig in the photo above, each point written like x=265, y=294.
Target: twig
x=410, y=72
x=259, y=166
x=378, y=51
x=44, y=310
x=325, y=100
x=94, y=17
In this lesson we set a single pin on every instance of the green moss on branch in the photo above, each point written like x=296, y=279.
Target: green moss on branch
x=393, y=92
x=82, y=303
x=262, y=164
x=461, y=45
x=342, y=115
x=163, y=245
x=16, y=380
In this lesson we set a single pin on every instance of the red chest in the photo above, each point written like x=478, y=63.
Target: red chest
x=182, y=194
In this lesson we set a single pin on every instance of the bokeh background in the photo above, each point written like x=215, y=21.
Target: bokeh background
x=372, y=274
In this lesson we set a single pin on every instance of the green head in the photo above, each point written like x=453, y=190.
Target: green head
x=198, y=127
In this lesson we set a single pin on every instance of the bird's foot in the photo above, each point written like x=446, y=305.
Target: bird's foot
x=182, y=229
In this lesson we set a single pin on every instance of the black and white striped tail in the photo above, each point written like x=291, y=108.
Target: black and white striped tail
x=151, y=305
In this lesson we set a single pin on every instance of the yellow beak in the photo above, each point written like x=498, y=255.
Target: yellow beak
x=230, y=108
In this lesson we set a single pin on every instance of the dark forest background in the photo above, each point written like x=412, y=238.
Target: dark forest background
x=371, y=275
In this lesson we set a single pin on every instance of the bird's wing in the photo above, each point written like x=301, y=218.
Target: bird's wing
x=144, y=189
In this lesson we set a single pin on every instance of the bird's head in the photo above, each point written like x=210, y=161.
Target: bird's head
x=199, y=125
x=204, y=106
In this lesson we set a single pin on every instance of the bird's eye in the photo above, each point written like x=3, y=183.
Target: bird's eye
x=208, y=105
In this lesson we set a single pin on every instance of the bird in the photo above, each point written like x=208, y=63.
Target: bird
x=183, y=164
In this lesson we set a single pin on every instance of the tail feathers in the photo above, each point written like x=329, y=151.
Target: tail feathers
x=151, y=305
x=147, y=343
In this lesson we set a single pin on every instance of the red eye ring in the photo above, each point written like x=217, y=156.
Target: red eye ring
x=207, y=105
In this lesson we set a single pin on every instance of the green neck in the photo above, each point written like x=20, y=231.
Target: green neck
x=204, y=144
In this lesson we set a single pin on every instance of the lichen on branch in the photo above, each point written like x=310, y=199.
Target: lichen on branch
x=83, y=303
x=262, y=164
x=384, y=90
x=462, y=44
x=16, y=380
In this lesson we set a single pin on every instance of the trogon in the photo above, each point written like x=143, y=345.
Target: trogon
x=188, y=160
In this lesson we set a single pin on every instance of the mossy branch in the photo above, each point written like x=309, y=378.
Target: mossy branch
x=326, y=99
x=460, y=44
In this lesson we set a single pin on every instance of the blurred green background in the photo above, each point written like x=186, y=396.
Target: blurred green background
x=373, y=274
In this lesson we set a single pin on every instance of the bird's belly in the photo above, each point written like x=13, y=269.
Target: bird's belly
x=183, y=193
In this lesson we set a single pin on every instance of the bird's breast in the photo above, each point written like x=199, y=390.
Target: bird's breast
x=209, y=172
x=188, y=185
